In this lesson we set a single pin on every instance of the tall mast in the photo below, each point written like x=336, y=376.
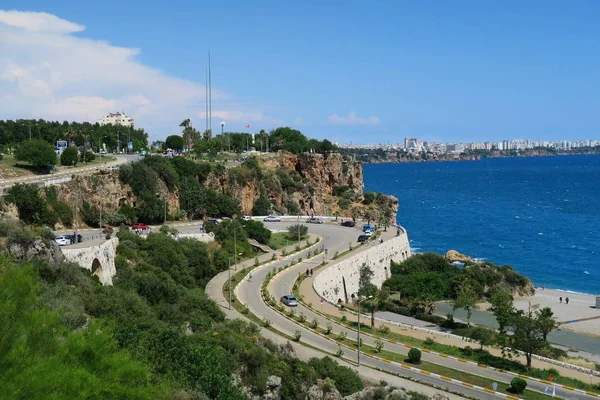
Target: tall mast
x=209, y=96
x=206, y=101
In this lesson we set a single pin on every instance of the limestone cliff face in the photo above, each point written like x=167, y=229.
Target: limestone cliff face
x=294, y=184
x=315, y=177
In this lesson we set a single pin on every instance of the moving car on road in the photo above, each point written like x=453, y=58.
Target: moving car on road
x=63, y=240
x=314, y=220
x=349, y=223
x=141, y=227
x=272, y=218
x=289, y=300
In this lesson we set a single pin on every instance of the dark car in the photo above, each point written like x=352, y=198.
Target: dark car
x=363, y=238
x=75, y=238
x=349, y=223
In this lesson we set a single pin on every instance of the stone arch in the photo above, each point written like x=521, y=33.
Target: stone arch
x=96, y=268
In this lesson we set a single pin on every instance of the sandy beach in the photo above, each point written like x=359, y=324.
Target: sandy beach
x=581, y=308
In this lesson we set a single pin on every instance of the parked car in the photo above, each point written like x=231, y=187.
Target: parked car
x=289, y=300
x=368, y=228
x=141, y=227
x=368, y=233
x=1, y=156
x=247, y=218
x=272, y=218
x=349, y=223
x=215, y=221
x=63, y=240
x=363, y=238
x=314, y=220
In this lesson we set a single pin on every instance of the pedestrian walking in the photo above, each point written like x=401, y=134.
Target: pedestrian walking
x=560, y=299
x=250, y=277
x=307, y=272
x=567, y=300
x=311, y=272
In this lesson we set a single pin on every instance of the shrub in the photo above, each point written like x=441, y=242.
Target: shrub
x=302, y=317
x=314, y=324
x=69, y=157
x=266, y=323
x=384, y=329
x=414, y=356
x=88, y=156
x=341, y=336
x=518, y=385
x=328, y=329
x=379, y=345
x=297, y=230
x=38, y=153
x=339, y=352
x=429, y=341
x=344, y=319
x=245, y=310
x=297, y=335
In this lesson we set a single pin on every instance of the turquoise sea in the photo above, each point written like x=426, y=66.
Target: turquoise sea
x=541, y=215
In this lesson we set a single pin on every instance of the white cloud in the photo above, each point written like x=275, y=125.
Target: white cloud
x=298, y=121
x=46, y=72
x=352, y=119
x=38, y=22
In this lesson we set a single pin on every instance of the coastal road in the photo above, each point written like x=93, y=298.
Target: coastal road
x=65, y=175
x=336, y=238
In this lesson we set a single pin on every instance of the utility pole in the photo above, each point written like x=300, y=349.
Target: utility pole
x=165, y=221
x=229, y=281
x=76, y=208
x=29, y=130
x=101, y=218
x=206, y=93
x=118, y=142
x=209, y=96
x=358, y=332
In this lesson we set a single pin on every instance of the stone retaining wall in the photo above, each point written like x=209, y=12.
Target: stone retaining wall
x=330, y=282
x=99, y=259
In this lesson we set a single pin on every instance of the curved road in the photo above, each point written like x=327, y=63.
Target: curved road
x=336, y=238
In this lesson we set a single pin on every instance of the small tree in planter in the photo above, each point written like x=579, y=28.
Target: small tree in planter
x=518, y=385
x=297, y=336
x=379, y=345
x=414, y=356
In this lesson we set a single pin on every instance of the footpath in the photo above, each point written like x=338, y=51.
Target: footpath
x=214, y=290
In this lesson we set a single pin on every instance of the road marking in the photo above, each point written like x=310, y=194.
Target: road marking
x=445, y=378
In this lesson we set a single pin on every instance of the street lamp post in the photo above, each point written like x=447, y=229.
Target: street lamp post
x=235, y=245
x=359, y=299
x=230, y=288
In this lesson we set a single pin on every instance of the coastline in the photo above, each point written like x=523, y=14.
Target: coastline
x=471, y=157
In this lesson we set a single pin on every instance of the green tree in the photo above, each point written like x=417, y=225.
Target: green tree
x=33, y=208
x=483, y=336
x=502, y=308
x=375, y=298
x=262, y=205
x=175, y=142
x=547, y=321
x=528, y=331
x=365, y=274
x=38, y=153
x=466, y=299
x=297, y=231
x=150, y=208
x=69, y=156
x=257, y=231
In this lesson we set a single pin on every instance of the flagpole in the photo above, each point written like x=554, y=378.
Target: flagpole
x=206, y=100
x=209, y=96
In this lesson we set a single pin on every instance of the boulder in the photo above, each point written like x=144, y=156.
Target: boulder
x=453, y=255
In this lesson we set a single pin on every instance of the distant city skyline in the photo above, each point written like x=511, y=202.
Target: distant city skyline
x=458, y=71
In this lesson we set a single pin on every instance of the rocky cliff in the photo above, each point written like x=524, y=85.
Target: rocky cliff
x=294, y=185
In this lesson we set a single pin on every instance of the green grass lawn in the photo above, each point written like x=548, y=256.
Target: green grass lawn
x=280, y=239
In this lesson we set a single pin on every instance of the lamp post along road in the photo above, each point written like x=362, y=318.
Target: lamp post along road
x=359, y=300
x=229, y=281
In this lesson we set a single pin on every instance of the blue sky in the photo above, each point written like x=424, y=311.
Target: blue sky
x=367, y=72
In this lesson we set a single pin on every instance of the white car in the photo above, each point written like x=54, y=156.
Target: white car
x=368, y=233
x=272, y=218
x=247, y=218
x=63, y=240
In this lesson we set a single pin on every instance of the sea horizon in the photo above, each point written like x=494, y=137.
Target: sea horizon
x=540, y=215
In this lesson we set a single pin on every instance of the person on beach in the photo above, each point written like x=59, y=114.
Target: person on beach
x=560, y=299
x=567, y=300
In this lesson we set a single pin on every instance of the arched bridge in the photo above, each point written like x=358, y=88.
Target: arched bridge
x=97, y=256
